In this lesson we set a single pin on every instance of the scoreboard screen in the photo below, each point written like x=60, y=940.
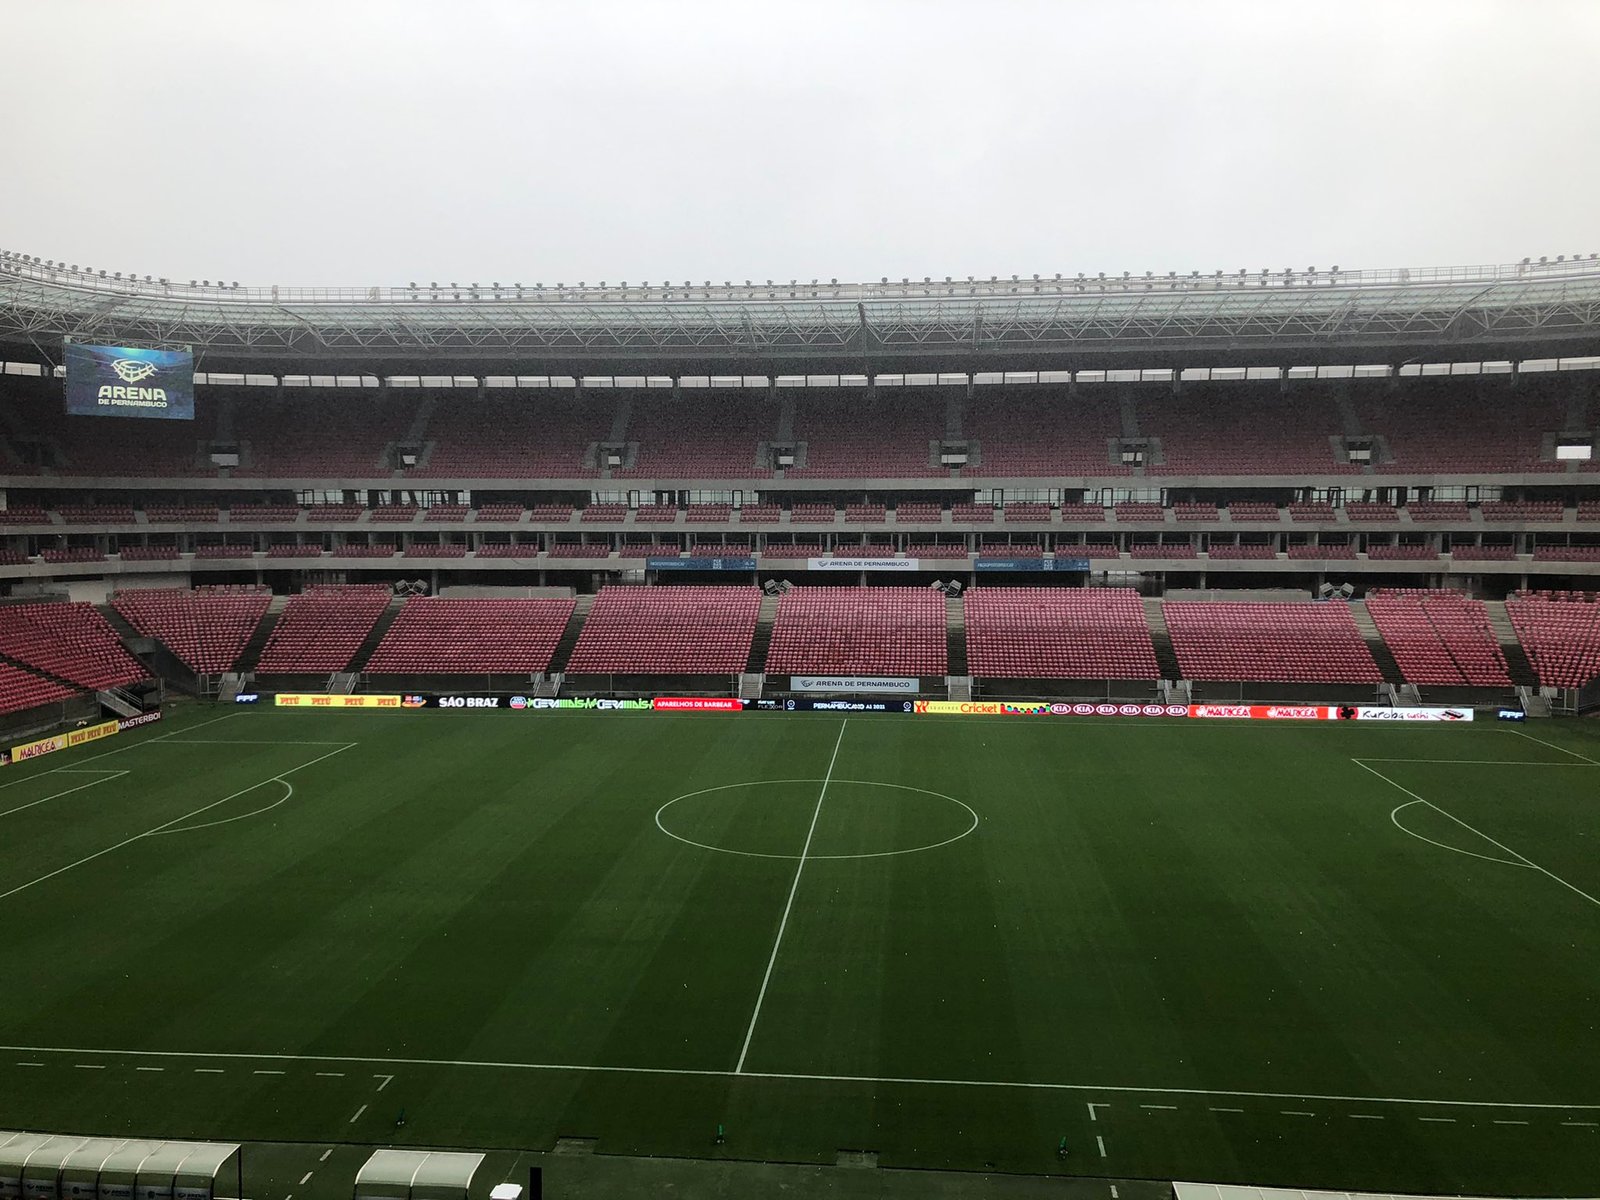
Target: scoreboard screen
x=126, y=381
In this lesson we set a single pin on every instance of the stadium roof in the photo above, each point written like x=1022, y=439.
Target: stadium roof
x=1287, y=318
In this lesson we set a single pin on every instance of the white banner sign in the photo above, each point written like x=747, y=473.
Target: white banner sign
x=1366, y=713
x=859, y=684
x=863, y=564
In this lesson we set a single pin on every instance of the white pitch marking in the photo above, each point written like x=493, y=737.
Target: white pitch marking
x=1553, y=746
x=1394, y=819
x=89, y=1066
x=1100, y=1144
x=1582, y=1124
x=169, y=824
x=325, y=1155
x=1480, y=762
x=1295, y=1112
x=149, y=1068
x=1228, y=1110
x=793, y=888
x=387, y=1080
x=1092, y=1107
x=269, y=1072
x=1512, y=1122
x=1479, y=832
x=1438, y=1120
x=304, y=1179
x=208, y=1071
x=723, y=1073
x=1364, y=1116
x=106, y=777
x=238, y=742
x=357, y=1117
x=330, y=1074
x=1168, y=1107
x=108, y=753
x=30, y=1064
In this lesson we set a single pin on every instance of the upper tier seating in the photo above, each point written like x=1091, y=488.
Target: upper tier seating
x=865, y=514
x=206, y=630
x=655, y=514
x=73, y=554
x=186, y=514
x=329, y=513
x=1212, y=430
x=1566, y=554
x=1277, y=643
x=1325, y=551
x=760, y=514
x=509, y=549
x=1439, y=510
x=20, y=690
x=1522, y=510
x=273, y=514
x=890, y=437
x=441, y=512
x=1194, y=511
x=1401, y=552
x=1079, y=514
x=1011, y=550
x=1043, y=433
x=1561, y=638
x=97, y=514
x=70, y=641
x=433, y=635
x=139, y=448
x=683, y=630
x=917, y=512
x=708, y=514
x=1058, y=633
x=314, y=433
x=1483, y=553
x=225, y=550
x=148, y=553
x=1463, y=424
x=1139, y=511
x=793, y=550
x=1312, y=510
x=541, y=436
x=321, y=629
x=700, y=438
x=1361, y=510
x=396, y=513
x=504, y=513
x=936, y=550
x=1440, y=638
x=1026, y=512
x=1252, y=510
x=859, y=631
x=1245, y=550
x=23, y=515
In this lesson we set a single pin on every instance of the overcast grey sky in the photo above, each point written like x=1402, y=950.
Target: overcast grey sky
x=383, y=142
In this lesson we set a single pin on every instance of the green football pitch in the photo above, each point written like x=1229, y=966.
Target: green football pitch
x=1331, y=955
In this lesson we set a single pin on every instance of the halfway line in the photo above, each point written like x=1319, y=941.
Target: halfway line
x=793, y=888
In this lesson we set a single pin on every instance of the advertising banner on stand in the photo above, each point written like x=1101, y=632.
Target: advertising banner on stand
x=851, y=683
x=863, y=564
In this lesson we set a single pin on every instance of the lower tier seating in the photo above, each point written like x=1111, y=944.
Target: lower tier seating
x=435, y=635
x=321, y=629
x=71, y=641
x=20, y=690
x=1058, y=633
x=206, y=630
x=687, y=630
x=859, y=631
x=1561, y=637
x=1278, y=643
x=1440, y=638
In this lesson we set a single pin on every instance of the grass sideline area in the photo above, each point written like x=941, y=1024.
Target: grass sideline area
x=1330, y=955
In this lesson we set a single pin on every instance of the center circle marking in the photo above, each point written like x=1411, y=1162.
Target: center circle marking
x=727, y=787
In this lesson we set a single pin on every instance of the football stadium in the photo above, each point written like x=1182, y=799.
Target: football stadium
x=1090, y=734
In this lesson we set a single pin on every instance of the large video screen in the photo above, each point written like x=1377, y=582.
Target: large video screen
x=123, y=381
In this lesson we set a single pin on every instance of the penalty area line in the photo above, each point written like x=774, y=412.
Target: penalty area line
x=800, y=1077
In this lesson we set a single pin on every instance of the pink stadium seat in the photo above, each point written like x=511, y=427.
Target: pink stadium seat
x=679, y=630
x=859, y=631
x=1278, y=643
x=1058, y=633
x=321, y=629
x=70, y=641
x=1439, y=637
x=207, y=630
x=1561, y=637
x=433, y=635
x=21, y=690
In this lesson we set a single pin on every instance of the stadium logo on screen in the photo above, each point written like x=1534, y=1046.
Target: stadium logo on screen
x=131, y=370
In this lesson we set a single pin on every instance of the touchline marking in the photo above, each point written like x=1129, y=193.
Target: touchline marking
x=269, y=1072
x=1295, y=1112
x=30, y=1064
x=1553, y=746
x=793, y=888
x=1100, y=1144
x=278, y=778
x=1167, y=1107
x=325, y=1154
x=1512, y=1122
x=357, y=1117
x=1438, y=1120
x=1521, y=857
x=330, y=1074
x=208, y=1071
x=795, y=1076
x=1482, y=762
x=304, y=1179
x=106, y=776
x=150, y=1069
x=1228, y=1110
x=1373, y=1117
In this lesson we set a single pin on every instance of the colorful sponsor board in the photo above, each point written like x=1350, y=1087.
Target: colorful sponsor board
x=63, y=741
x=1418, y=713
x=318, y=700
x=696, y=704
x=1266, y=712
x=1510, y=714
x=873, y=685
x=149, y=718
x=805, y=704
x=1046, y=708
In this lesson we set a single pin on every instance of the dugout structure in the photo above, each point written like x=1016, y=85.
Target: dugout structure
x=44, y=1166
x=416, y=1175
